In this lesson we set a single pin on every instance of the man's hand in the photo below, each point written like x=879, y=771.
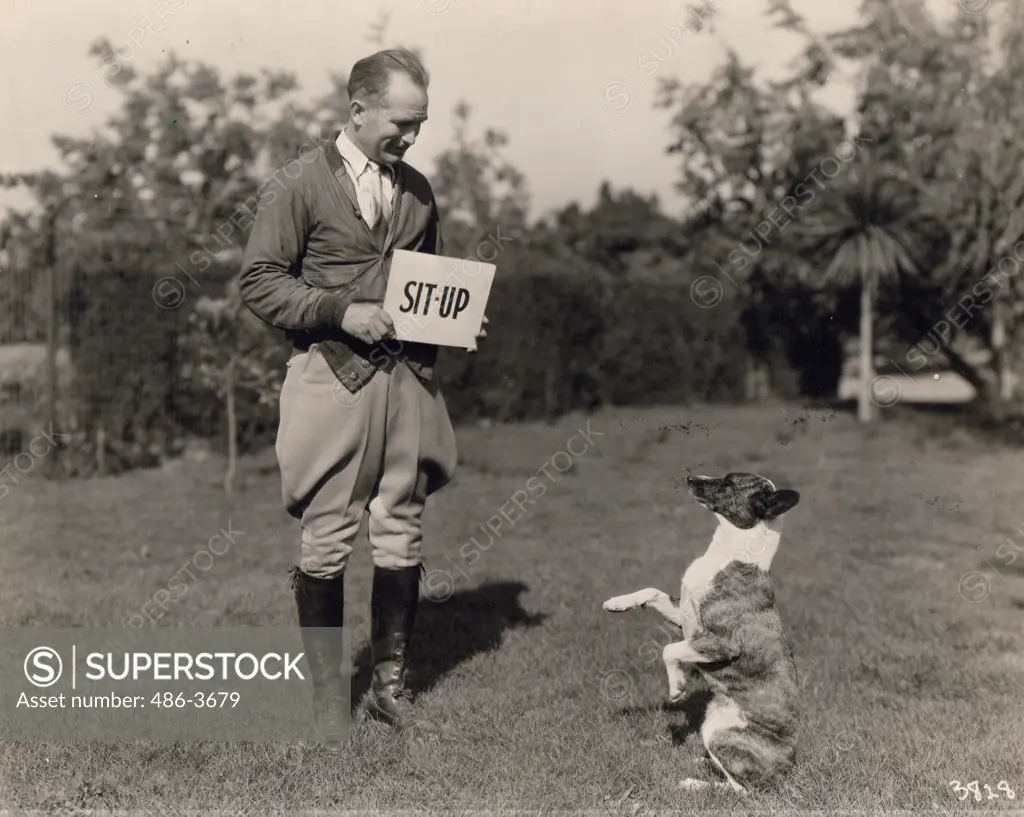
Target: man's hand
x=481, y=334
x=368, y=322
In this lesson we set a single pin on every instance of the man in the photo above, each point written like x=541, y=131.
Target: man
x=363, y=424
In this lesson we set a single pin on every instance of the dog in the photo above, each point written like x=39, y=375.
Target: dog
x=733, y=634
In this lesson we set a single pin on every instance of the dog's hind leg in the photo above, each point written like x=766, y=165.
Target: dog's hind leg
x=692, y=784
x=724, y=735
x=730, y=780
x=748, y=758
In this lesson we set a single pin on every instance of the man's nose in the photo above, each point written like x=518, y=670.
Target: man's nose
x=409, y=137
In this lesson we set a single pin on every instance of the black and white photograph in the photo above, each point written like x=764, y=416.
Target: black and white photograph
x=455, y=407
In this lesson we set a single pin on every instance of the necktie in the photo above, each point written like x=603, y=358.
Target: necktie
x=370, y=182
x=385, y=201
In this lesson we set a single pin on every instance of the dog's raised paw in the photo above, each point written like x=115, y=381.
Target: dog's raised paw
x=619, y=604
x=676, y=688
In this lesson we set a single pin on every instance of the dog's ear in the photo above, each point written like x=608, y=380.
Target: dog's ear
x=771, y=504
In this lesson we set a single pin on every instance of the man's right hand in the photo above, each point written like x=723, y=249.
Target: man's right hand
x=368, y=322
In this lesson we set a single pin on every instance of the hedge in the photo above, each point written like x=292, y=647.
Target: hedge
x=561, y=337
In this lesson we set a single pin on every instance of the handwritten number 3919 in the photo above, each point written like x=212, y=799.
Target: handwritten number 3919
x=963, y=792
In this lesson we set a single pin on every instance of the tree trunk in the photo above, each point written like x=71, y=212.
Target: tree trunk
x=51, y=332
x=981, y=378
x=229, y=392
x=865, y=406
x=101, y=451
x=607, y=290
x=1002, y=394
x=750, y=379
x=551, y=407
x=757, y=384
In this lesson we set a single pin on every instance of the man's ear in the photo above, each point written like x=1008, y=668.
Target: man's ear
x=770, y=504
x=357, y=111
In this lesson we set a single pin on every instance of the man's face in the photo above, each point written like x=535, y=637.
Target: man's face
x=386, y=131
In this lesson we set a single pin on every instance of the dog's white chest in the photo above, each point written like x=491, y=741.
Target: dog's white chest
x=694, y=587
x=699, y=575
x=755, y=546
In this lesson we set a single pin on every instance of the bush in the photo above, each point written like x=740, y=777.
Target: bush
x=124, y=348
x=563, y=338
x=793, y=332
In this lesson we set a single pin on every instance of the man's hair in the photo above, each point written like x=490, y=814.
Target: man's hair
x=370, y=76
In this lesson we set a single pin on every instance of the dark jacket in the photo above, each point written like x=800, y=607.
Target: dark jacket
x=310, y=255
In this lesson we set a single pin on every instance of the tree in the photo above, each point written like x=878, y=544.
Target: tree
x=747, y=148
x=624, y=233
x=477, y=189
x=944, y=108
x=483, y=202
x=150, y=213
x=227, y=351
x=22, y=312
x=868, y=228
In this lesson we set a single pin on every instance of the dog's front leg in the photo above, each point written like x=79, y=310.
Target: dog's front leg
x=641, y=598
x=649, y=597
x=676, y=669
x=699, y=650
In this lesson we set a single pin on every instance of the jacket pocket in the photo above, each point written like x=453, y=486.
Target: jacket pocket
x=365, y=282
x=315, y=372
x=332, y=272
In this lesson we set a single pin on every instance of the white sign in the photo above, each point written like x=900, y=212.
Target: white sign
x=436, y=299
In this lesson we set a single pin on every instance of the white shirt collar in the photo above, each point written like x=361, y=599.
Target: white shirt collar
x=355, y=157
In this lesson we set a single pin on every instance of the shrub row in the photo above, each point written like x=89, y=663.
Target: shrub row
x=561, y=338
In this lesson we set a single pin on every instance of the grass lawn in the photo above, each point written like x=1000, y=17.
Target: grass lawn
x=912, y=675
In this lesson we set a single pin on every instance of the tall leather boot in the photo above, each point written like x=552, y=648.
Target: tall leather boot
x=394, y=599
x=321, y=604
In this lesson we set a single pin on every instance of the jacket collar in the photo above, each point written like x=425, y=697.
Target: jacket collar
x=332, y=154
x=351, y=153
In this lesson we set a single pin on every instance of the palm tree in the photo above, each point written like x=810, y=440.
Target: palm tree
x=868, y=222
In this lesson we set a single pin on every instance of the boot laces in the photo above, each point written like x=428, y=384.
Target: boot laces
x=397, y=687
x=403, y=698
x=329, y=714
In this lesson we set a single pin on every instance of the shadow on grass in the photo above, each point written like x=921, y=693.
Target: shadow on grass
x=692, y=709
x=451, y=632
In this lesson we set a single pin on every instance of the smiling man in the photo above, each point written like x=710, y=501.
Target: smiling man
x=363, y=425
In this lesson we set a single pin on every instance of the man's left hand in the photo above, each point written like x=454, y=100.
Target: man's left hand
x=480, y=335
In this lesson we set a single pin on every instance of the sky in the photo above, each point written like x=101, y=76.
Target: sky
x=571, y=82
